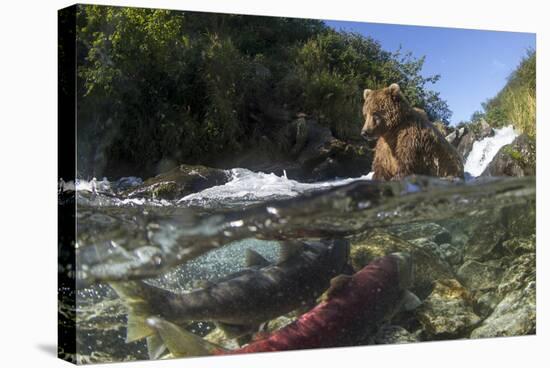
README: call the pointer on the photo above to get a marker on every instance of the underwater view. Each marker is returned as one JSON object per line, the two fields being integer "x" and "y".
{"x": 290, "y": 186}
{"x": 247, "y": 258}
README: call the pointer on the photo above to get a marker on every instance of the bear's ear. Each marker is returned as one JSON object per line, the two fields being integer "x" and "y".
{"x": 366, "y": 93}
{"x": 394, "y": 89}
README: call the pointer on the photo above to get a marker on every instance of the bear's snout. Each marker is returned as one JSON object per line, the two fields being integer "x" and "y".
{"x": 368, "y": 134}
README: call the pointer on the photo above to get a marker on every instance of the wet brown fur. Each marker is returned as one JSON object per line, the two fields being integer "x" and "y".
{"x": 408, "y": 143}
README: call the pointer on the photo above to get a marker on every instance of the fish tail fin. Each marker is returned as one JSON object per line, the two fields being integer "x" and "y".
{"x": 132, "y": 292}
{"x": 155, "y": 347}
{"x": 181, "y": 342}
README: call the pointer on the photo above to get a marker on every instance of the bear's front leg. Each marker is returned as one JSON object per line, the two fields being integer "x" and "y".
{"x": 404, "y": 169}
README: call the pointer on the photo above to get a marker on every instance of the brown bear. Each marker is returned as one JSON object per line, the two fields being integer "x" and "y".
{"x": 408, "y": 143}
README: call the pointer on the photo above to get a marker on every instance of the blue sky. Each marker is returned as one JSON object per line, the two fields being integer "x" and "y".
{"x": 473, "y": 64}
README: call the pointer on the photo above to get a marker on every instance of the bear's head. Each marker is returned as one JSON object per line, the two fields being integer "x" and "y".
{"x": 383, "y": 109}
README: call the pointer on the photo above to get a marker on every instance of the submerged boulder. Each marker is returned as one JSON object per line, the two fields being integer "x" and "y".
{"x": 393, "y": 334}
{"x": 515, "y": 313}
{"x": 515, "y": 159}
{"x": 485, "y": 240}
{"x": 428, "y": 231}
{"x": 481, "y": 276}
{"x": 179, "y": 182}
{"x": 448, "y": 311}
{"x": 520, "y": 220}
{"x": 428, "y": 266}
{"x": 218, "y": 337}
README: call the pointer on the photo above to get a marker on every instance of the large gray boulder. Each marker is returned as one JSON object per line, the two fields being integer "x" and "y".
{"x": 515, "y": 159}
{"x": 321, "y": 156}
{"x": 464, "y": 137}
{"x": 515, "y": 313}
{"x": 179, "y": 182}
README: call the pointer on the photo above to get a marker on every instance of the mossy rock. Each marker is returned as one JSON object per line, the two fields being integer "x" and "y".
{"x": 515, "y": 297}
{"x": 448, "y": 312}
{"x": 179, "y": 182}
{"x": 485, "y": 240}
{"x": 428, "y": 267}
{"x": 481, "y": 276}
{"x": 520, "y": 220}
{"x": 515, "y": 159}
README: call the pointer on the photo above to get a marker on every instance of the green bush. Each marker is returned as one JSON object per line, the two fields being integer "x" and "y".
{"x": 168, "y": 86}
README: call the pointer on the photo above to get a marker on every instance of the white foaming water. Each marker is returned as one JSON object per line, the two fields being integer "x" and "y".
{"x": 248, "y": 185}
{"x": 484, "y": 151}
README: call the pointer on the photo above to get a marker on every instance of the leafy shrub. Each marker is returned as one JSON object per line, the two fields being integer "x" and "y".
{"x": 169, "y": 86}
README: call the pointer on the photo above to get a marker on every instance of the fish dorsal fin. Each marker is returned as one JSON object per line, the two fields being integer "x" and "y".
{"x": 337, "y": 285}
{"x": 290, "y": 249}
{"x": 181, "y": 342}
{"x": 254, "y": 258}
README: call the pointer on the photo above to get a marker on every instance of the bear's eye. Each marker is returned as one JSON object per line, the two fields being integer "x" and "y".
{"x": 377, "y": 117}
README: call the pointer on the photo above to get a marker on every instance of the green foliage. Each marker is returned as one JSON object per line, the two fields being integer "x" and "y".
{"x": 516, "y": 103}
{"x": 332, "y": 69}
{"x": 160, "y": 85}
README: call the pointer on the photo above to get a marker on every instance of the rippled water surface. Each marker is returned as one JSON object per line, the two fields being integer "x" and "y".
{"x": 480, "y": 232}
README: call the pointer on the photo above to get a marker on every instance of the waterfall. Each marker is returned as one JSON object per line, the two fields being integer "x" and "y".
{"x": 484, "y": 151}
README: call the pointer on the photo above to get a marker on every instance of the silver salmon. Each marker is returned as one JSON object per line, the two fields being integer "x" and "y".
{"x": 241, "y": 302}
{"x": 354, "y": 304}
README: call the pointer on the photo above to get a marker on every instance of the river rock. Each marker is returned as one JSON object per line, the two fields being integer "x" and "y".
{"x": 320, "y": 155}
{"x": 306, "y": 151}
{"x": 179, "y": 182}
{"x": 520, "y": 273}
{"x": 454, "y": 137}
{"x": 342, "y": 159}
{"x": 451, "y": 253}
{"x": 428, "y": 266}
{"x": 472, "y": 132}
{"x": 128, "y": 182}
{"x": 515, "y": 313}
{"x": 481, "y": 276}
{"x": 218, "y": 337}
{"x": 520, "y": 220}
{"x": 484, "y": 129}
{"x": 424, "y": 231}
{"x": 517, "y": 246}
{"x": 101, "y": 327}
{"x": 515, "y": 159}
{"x": 392, "y": 334}
{"x": 485, "y": 240}
{"x": 278, "y": 323}
{"x": 486, "y": 303}
{"x": 448, "y": 311}
{"x": 464, "y": 146}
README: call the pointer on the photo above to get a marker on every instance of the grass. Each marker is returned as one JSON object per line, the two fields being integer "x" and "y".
{"x": 516, "y": 103}
{"x": 520, "y": 106}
